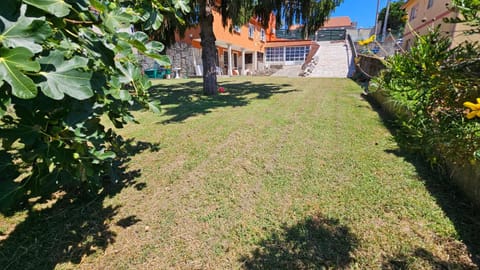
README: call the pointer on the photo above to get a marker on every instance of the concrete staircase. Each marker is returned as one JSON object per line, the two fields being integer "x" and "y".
{"x": 332, "y": 60}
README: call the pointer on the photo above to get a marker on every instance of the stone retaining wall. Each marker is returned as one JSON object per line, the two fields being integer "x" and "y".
{"x": 368, "y": 65}
{"x": 181, "y": 56}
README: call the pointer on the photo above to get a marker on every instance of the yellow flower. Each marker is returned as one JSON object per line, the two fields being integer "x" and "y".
{"x": 474, "y": 109}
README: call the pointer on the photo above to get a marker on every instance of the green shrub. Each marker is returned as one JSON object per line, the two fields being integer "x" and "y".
{"x": 430, "y": 83}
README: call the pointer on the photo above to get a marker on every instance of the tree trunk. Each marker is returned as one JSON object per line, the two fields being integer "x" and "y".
{"x": 208, "y": 47}
{"x": 305, "y": 31}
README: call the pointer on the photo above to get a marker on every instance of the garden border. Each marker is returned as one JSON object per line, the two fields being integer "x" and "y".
{"x": 465, "y": 176}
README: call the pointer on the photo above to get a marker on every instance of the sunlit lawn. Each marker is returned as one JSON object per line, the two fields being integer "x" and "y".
{"x": 277, "y": 173}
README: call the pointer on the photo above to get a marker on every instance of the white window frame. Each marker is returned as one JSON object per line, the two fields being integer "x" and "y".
{"x": 263, "y": 36}
{"x": 237, "y": 29}
{"x": 413, "y": 13}
{"x": 251, "y": 31}
{"x": 430, "y": 3}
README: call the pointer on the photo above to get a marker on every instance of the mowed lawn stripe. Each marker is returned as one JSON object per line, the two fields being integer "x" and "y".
{"x": 277, "y": 173}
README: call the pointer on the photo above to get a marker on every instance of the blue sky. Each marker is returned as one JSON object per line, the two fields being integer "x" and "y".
{"x": 360, "y": 11}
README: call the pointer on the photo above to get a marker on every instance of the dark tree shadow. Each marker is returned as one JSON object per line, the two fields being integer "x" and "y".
{"x": 184, "y": 100}
{"x": 316, "y": 243}
{"x": 464, "y": 214}
{"x": 71, "y": 226}
{"x": 406, "y": 261}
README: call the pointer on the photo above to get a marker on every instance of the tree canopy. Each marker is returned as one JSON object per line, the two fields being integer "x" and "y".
{"x": 396, "y": 17}
{"x": 312, "y": 14}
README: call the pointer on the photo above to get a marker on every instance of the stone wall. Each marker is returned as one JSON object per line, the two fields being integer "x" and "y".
{"x": 181, "y": 56}
{"x": 369, "y": 65}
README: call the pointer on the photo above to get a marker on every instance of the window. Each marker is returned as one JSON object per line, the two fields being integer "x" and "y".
{"x": 262, "y": 35}
{"x": 237, "y": 29}
{"x": 251, "y": 30}
{"x": 259, "y": 57}
{"x": 248, "y": 58}
{"x": 296, "y": 54}
{"x": 430, "y": 3}
{"x": 225, "y": 59}
{"x": 275, "y": 54}
{"x": 413, "y": 13}
{"x": 290, "y": 54}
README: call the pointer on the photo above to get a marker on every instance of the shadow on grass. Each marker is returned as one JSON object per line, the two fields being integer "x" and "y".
{"x": 315, "y": 243}
{"x": 185, "y": 99}
{"x": 73, "y": 227}
{"x": 407, "y": 261}
{"x": 463, "y": 214}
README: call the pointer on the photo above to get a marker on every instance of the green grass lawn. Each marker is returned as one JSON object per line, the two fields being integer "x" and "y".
{"x": 277, "y": 173}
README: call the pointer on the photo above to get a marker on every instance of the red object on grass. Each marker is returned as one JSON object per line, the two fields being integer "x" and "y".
{"x": 221, "y": 90}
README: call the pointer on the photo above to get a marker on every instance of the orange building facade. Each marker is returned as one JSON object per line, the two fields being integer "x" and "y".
{"x": 247, "y": 49}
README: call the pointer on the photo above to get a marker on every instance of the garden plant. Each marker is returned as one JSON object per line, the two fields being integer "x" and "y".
{"x": 65, "y": 67}
{"x": 434, "y": 87}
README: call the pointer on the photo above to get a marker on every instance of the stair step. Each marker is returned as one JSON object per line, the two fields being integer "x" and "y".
{"x": 334, "y": 60}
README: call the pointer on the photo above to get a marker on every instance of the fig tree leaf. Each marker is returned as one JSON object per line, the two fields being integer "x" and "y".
{"x": 103, "y": 155}
{"x": 154, "y": 106}
{"x": 98, "y": 5}
{"x": 21, "y": 58}
{"x": 67, "y": 78}
{"x": 117, "y": 19}
{"x": 161, "y": 59}
{"x": 140, "y": 36}
{"x": 130, "y": 73}
{"x": 12, "y": 63}
{"x": 155, "y": 47}
{"x": 158, "y": 21}
{"x": 125, "y": 95}
{"x": 26, "y": 32}
{"x": 56, "y": 7}
{"x": 181, "y": 5}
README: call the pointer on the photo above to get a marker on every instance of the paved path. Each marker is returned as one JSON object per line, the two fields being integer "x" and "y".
{"x": 334, "y": 60}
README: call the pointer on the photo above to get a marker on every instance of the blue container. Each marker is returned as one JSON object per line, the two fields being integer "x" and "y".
{"x": 151, "y": 73}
